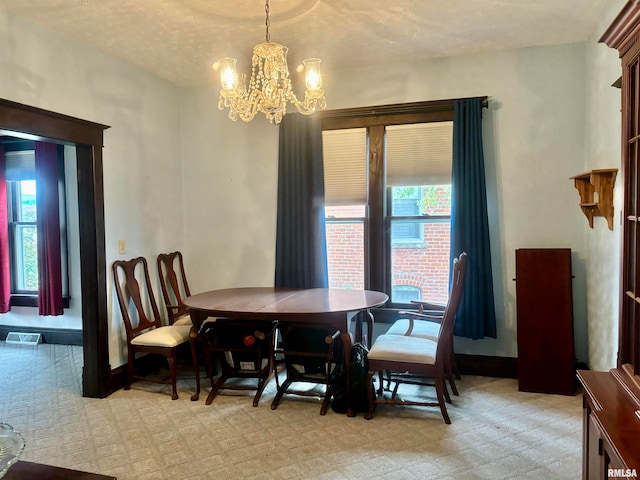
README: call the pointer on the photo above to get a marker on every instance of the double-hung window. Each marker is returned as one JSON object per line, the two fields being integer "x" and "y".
{"x": 22, "y": 212}
{"x": 388, "y": 200}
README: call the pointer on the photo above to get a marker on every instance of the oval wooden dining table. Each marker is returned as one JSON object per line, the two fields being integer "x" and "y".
{"x": 335, "y": 307}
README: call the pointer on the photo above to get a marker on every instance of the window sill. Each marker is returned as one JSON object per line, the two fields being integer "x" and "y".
{"x": 408, "y": 244}
{"x": 18, "y": 300}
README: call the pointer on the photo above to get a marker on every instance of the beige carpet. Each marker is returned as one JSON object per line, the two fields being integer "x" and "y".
{"x": 496, "y": 432}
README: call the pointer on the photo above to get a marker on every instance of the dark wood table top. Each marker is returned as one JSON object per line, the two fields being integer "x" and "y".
{"x": 22, "y": 470}
{"x": 284, "y": 303}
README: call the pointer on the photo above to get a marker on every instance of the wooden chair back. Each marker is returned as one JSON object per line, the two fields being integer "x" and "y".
{"x": 244, "y": 349}
{"x": 133, "y": 289}
{"x": 173, "y": 282}
{"x": 310, "y": 354}
{"x": 445, "y": 338}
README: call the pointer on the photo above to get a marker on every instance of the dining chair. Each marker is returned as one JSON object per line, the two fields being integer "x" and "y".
{"x": 244, "y": 349}
{"x": 309, "y": 352}
{"x": 418, "y": 356}
{"x": 425, "y": 323}
{"x": 143, "y": 326}
{"x": 174, "y": 285}
{"x": 175, "y": 288}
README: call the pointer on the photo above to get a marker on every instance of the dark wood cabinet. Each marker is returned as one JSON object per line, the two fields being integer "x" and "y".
{"x": 611, "y": 427}
{"x": 545, "y": 321}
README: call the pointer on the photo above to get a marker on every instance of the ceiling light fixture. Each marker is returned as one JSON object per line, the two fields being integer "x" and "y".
{"x": 269, "y": 86}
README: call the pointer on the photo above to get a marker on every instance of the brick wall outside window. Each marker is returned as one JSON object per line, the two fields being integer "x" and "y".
{"x": 423, "y": 264}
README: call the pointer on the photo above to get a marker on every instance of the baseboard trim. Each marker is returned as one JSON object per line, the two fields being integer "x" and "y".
{"x": 486, "y": 366}
{"x": 49, "y": 335}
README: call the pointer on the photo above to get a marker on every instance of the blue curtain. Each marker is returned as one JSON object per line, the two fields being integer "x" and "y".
{"x": 476, "y": 317}
{"x": 301, "y": 249}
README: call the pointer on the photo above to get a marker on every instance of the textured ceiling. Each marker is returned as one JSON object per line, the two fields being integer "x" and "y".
{"x": 180, "y": 39}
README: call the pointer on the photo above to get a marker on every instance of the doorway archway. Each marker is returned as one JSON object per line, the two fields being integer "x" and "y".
{"x": 38, "y": 124}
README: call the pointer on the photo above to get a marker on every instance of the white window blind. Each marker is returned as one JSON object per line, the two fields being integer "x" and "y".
{"x": 345, "y": 166}
{"x": 419, "y": 154}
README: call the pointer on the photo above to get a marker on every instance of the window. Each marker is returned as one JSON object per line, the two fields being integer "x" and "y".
{"x": 23, "y": 233}
{"x": 388, "y": 200}
{"x": 405, "y": 202}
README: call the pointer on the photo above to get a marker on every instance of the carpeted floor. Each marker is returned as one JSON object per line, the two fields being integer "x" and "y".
{"x": 496, "y": 431}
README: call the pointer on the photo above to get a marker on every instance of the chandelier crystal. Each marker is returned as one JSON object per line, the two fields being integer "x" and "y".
{"x": 269, "y": 88}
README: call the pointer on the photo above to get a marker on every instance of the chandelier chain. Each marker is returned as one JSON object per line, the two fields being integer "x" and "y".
{"x": 267, "y": 23}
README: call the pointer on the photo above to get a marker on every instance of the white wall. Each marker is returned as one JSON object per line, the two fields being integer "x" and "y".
{"x": 230, "y": 190}
{"x": 142, "y": 152}
{"x": 603, "y": 145}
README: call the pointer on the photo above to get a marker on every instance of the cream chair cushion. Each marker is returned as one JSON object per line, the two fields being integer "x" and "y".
{"x": 168, "y": 336}
{"x": 402, "y": 348}
{"x": 186, "y": 320}
{"x": 183, "y": 320}
{"x": 421, "y": 329}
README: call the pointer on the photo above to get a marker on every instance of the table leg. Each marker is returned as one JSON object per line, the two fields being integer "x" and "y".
{"x": 193, "y": 340}
{"x": 361, "y": 317}
{"x": 364, "y": 316}
{"x": 197, "y": 319}
{"x": 346, "y": 345}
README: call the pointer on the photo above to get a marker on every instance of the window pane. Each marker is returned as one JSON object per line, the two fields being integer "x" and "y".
{"x": 26, "y": 246}
{"x": 421, "y": 200}
{"x": 26, "y": 193}
{"x": 345, "y": 246}
{"x": 423, "y": 265}
{"x": 405, "y": 202}
{"x": 405, "y": 293}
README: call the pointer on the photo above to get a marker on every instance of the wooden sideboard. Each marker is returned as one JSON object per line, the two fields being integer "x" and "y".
{"x": 611, "y": 426}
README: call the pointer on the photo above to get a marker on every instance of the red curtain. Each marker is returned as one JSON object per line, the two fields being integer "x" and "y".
{"x": 5, "y": 278}
{"x": 48, "y": 222}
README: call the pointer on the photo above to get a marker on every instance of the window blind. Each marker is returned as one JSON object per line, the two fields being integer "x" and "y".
{"x": 345, "y": 166}
{"x": 20, "y": 165}
{"x": 419, "y": 154}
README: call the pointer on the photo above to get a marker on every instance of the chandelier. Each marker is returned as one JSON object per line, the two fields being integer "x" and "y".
{"x": 269, "y": 86}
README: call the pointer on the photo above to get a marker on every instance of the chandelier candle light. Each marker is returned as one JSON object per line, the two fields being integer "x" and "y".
{"x": 269, "y": 86}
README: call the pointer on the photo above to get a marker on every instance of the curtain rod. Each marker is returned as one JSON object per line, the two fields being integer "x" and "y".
{"x": 399, "y": 108}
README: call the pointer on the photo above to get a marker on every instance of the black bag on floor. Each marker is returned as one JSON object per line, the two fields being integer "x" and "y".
{"x": 357, "y": 393}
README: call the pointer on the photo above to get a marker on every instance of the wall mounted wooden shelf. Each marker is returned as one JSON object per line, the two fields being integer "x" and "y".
{"x": 596, "y": 193}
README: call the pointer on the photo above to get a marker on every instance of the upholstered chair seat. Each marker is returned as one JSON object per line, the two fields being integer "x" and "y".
{"x": 168, "y": 336}
{"x": 401, "y": 348}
